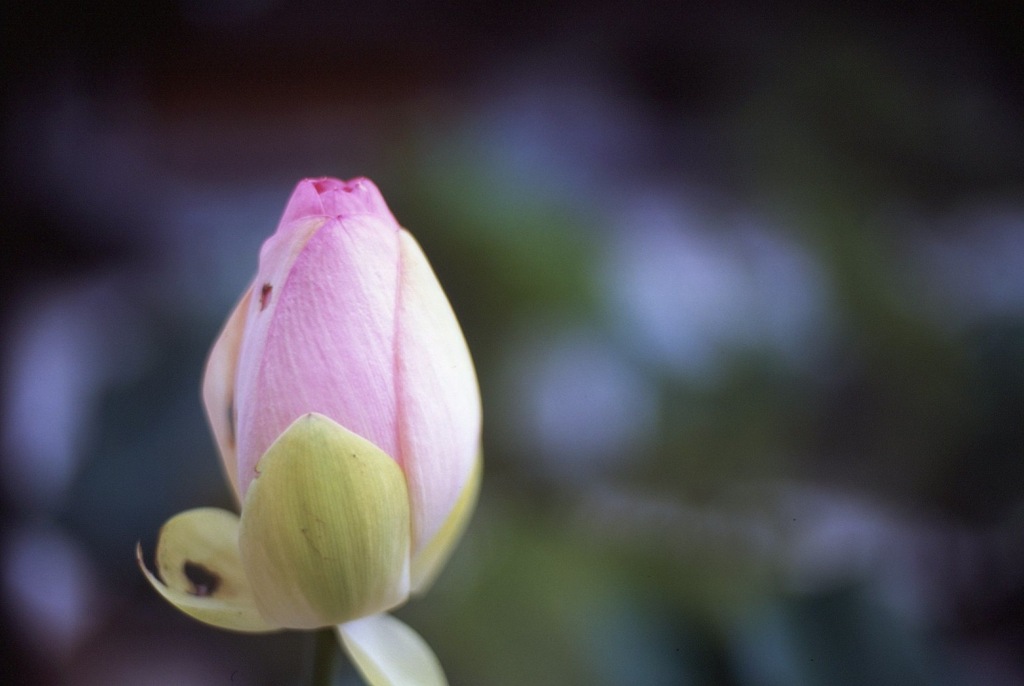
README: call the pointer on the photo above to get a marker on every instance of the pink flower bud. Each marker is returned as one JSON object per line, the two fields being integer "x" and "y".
{"x": 346, "y": 319}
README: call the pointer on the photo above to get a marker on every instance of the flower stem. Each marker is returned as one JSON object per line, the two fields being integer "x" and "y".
{"x": 325, "y": 652}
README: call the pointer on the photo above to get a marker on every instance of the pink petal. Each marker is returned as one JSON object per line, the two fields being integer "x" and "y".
{"x": 319, "y": 335}
{"x": 333, "y": 198}
{"x": 304, "y": 203}
{"x": 438, "y": 398}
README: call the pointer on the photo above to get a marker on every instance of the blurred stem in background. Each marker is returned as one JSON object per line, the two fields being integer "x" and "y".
{"x": 325, "y": 657}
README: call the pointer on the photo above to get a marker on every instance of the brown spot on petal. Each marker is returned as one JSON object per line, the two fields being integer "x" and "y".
{"x": 231, "y": 421}
{"x": 265, "y": 296}
{"x": 204, "y": 582}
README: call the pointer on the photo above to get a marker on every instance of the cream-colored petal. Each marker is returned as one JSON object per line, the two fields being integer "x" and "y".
{"x": 197, "y": 557}
{"x": 427, "y": 564}
{"x": 219, "y": 388}
{"x": 325, "y": 527}
{"x": 389, "y": 653}
{"x": 439, "y": 415}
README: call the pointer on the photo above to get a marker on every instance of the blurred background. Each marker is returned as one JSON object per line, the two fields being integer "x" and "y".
{"x": 745, "y": 289}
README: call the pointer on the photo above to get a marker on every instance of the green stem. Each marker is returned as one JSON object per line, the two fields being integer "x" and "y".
{"x": 325, "y": 652}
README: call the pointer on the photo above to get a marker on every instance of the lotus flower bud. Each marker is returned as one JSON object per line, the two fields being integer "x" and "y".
{"x": 344, "y": 403}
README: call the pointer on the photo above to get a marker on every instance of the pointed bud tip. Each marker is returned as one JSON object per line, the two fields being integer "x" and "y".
{"x": 339, "y": 199}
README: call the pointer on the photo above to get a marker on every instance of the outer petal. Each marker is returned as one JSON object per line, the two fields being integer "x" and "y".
{"x": 438, "y": 397}
{"x": 202, "y": 573}
{"x": 320, "y": 336}
{"x": 427, "y": 564}
{"x": 389, "y": 653}
{"x": 219, "y": 388}
{"x": 325, "y": 528}
{"x": 304, "y": 202}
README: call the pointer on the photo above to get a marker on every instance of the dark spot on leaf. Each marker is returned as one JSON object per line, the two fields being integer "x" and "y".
{"x": 204, "y": 582}
{"x": 265, "y": 296}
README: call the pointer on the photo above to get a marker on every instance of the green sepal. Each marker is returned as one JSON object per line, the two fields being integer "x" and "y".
{"x": 324, "y": 533}
{"x": 201, "y": 572}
